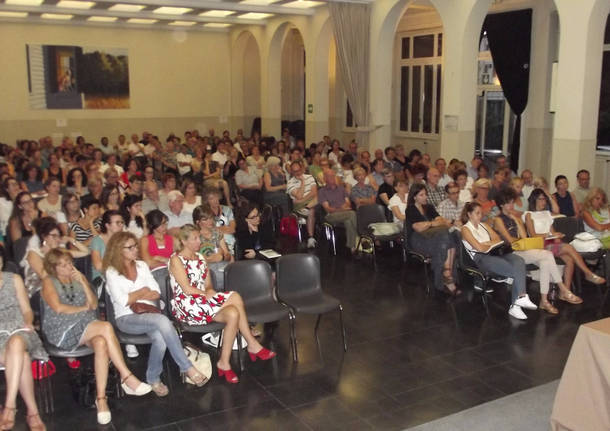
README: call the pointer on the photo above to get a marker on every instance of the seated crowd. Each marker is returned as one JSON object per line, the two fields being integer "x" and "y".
{"x": 144, "y": 205}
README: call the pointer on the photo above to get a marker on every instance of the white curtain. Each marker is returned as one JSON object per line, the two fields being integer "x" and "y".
{"x": 351, "y": 26}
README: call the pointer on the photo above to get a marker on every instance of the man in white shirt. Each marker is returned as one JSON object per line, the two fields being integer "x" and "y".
{"x": 441, "y": 165}
{"x": 220, "y": 156}
{"x": 176, "y": 216}
{"x": 528, "y": 183}
{"x": 184, "y": 160}
{"x": 303, "y": 191}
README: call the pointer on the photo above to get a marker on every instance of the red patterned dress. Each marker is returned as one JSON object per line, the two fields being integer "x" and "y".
{"x": 195, "y": 309}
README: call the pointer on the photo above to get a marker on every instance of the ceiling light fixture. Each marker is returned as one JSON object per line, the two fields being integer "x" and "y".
{"x": 217, "y": 13}
{"x": 255, "y": 15}
{"x": 183, "y": 23}
{"x": 122, "y": 7}
{"x": 102, "y": 18}
{"x": 71, "y": 4}
{"x": 172, "y": 10}
{"x": 4, "y": 14}
{"x": 59, "y": 16}
{"x": 142, "y": 21}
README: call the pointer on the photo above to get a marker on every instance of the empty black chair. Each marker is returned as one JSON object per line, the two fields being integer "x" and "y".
{"x": 299, "y": 286}
{"x": 252, "y": 280}
{"x": 374, "y": 213}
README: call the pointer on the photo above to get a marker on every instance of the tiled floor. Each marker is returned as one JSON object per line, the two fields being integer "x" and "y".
{"x": 412, "y": 358}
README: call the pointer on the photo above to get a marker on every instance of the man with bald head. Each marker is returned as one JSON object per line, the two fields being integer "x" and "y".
{"x": 152, "y": 200}
{"x": 335, "y": 200}
{"x": 436, "y": 194}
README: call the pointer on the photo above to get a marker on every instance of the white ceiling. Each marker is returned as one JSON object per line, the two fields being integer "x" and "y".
{"x": 187, "y": 14}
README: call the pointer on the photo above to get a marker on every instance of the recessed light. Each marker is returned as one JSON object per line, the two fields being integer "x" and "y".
{"x": 302, "y": 4}
{"x": 25, "y": 2}
{"x": 172, "y": 10}
{"x": 258, "y": 2}
{"x": 142, "y": 21}
{"x": 71, "y": 4}
{"x": 4, "y": 14}
{"x": 255, "y": 15}
{"x": 60, "y": 16}
{"x": 102, "y": 18}
{"x": 122, "y": 7}
{"x": 217, "y": 24}
{"x": 217, "y": 13}
{"x": 183, "y": 23}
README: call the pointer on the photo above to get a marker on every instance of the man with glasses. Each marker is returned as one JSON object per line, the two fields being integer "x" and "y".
{"x": 451, "y": 208}
{"x": 303, "y": 191}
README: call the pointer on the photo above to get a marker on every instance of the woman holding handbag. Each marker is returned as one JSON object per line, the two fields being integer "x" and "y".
{"x": 134, "y": 293}
{"x": 539, "y": 223}
{"x": 511, "y": 229}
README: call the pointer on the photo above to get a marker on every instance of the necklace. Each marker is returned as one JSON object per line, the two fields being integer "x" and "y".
{"x": 68, "y": 292}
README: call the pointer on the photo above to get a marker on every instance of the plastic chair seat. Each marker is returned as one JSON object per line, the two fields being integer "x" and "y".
{"x": 135, "y": 339}
{"x": 56, "y": 352}
{"x": 201, "y": 329}
{"x": 266, "y": 312}
{"x": 312, "y": 304}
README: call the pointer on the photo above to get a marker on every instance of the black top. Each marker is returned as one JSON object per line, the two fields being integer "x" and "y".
{"x": 566, "y": 206}
{"x": 387, "y": 189}
{"x": 256, "y": 240}
{"x": 510, "y": 225}
{"x": 413, "y": 215}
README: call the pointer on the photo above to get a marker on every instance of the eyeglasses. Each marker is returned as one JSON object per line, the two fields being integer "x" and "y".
{"x": 54, "y": 235}
{"x": 130, "y": 247}
{"x": 253, "y": 217}
{"x": 26, "y": 201}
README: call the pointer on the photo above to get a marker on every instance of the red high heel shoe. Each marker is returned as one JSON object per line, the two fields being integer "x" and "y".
{"x": 263, "y": 354}
{"x": 229, "y": 375}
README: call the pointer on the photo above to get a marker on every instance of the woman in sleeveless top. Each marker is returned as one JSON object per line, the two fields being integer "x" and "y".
{"x": 70, "y": 321}
{"x": 19, "y": 344}
{"x": 195, "y": 302}
{"x": 539, "y": 222}
{"x": 275, "y": 185}
{"x": 158, "y": 246}
{"x": 478, "y": 239}
{"x": 511, "y": 228}
{"x": 568, "y": 205}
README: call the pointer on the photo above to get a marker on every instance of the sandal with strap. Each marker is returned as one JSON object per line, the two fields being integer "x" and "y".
{"x": 229, "y": 375}
{"x": 594, "y": 278}
{"x": 35, "y": 425}
{"x": 570, "y": 298}
{"x": 196, "y": 379}
{"x": 548, "y": 307}
{"x": 8, "y": 422}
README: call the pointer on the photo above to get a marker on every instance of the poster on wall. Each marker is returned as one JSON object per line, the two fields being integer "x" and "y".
{"x": 75, "y": 77}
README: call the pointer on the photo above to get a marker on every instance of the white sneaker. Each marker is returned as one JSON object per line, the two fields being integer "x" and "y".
{"x": 525, "y": 302}
{"x": 132, "y": 351}
{"x": 517, "y": 312}
{"x": 311, "y": 242}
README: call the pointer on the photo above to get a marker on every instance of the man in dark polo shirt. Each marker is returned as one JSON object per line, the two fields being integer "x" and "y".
{"x": 335, "y": 200}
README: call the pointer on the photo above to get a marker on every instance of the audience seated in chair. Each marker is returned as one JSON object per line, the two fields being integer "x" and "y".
{"x": 336, "y": 203}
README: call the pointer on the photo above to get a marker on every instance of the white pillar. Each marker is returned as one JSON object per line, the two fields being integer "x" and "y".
{"x": 462, "y": 23}
{"x": 581, "y": 37}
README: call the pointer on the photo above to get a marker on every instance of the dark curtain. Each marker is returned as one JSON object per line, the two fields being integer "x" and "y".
{"x": 509, "y": 36}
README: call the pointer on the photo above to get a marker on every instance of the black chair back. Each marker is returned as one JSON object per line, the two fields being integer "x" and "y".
{"x": 19, "y": 248}
{"x": 251, "y": 279}
{"x": 367, "y": 214}
{"x": 298, "y": 274}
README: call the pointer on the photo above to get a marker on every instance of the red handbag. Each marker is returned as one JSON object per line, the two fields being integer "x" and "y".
{"x": 289, "y": 226}
{"x": 42, "y": 370}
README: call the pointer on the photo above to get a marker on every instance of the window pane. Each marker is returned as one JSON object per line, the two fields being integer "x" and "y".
{"x": 406, "y": 48}
{"x": 415, "y": 97}
{"x": 423, "y": 46}
{"x": 603, "y": 125}
{"x": 404, "y": 97}
{"x": 439, "y": 50}
{"x": 494, "y": 121}
{"x": 438, "y": 97}
{"x": 428, "y": 72}
{"x": 607, "y": 34}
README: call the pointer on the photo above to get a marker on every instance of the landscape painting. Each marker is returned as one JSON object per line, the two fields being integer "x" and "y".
{"x": 74, "y": 77}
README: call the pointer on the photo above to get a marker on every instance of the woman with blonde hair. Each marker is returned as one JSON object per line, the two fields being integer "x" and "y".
{"x": 134, "y": 294}
{"x": 70, "y": 321}
{"x": 195, "y": 302}
{"x": 595, "y": 212}
{"x": 520, "y": 204}
{"x": 480, "y": 193}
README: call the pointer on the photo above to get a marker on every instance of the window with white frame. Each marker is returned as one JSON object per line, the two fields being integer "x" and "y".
{"x": 603, "y": 122}
{"x": 419, "y": 79}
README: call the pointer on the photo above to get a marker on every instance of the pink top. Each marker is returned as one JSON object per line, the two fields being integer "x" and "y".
{"x": 165, "y": 251}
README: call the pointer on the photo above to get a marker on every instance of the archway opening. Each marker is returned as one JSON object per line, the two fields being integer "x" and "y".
{"x": 293, "y": 83}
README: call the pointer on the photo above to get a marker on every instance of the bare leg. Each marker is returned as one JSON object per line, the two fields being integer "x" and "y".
{"x": 26, "y": 386}
{"x": 13, "y": 360}
{"x": 228, "y": 315}
{"x": 311, "y": 222}
{"x": 113, "y": 349}
{"x": 225, "y": 190}
{"x": 568, "y": 250}
{"x": 100, "y": 348}
{"x": 568, "y": 271}
{"x": 236, "y": 301}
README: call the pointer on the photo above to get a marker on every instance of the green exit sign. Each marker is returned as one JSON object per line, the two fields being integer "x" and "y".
{"x": 310, "y": 108}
